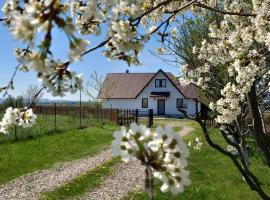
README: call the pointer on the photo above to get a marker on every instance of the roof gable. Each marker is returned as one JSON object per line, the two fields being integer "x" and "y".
{"x": 130, "y": 85}
{"x": 169, "y": 77}
{"x": 124, "y": 85}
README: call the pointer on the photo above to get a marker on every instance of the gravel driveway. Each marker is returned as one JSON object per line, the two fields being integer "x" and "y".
{"x": 30, "y": 186}
{"x": 185, "y": 124}
{"x": 127, "y": 178}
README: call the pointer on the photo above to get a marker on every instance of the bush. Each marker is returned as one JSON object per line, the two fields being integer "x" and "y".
{"x": 13, "y": 102}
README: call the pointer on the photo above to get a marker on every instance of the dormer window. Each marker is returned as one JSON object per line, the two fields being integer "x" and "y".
{"x": 160, "y": 83}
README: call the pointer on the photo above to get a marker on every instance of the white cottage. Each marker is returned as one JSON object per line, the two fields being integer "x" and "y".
{"x": 159, "y": 91}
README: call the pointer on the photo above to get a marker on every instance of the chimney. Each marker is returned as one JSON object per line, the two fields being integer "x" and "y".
{"x": 127, "y": 71}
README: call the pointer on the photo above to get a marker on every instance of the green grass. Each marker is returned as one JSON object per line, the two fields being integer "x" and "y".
{"x": 213, "y": 176}
{"x": 177, "y": 124}
{"x": 83, "y": 183}
{"x": 46, "y": 125}
{"x": 177, "y": 128}
{"x": 26, "y": 156}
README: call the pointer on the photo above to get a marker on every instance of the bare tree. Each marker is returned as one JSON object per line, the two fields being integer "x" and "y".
{"x": 96, "y": 86}
{"x": 93, "y": 87}
{"x": 31, "y": 96}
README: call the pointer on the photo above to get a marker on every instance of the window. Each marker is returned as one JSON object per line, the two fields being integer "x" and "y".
{"x": 181, "y": 103}
{"x": 160, "y": 83}
{"x": 144, "y": 102}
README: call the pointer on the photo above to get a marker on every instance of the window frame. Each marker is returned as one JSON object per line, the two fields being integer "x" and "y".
{"x": 184, "y": 103}
{"x": 143, "y": 102}
{"x": 160, "y": 83}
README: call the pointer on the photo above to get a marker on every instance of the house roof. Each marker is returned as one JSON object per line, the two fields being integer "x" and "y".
{"x": 191, "y": 92}
{"x": 130, "y": 85}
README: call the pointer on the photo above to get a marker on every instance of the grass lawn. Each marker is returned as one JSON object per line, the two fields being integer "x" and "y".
{"x": 26, "y": 156}
{"x": 83, "y": 183}
{"x": 46, "y": 125}
{"x": 177, "y": 124}
{"x": 213, "y": 176}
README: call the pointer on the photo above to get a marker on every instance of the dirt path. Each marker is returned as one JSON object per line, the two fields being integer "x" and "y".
{"x": 184, "y": 124}
{"x": 30, "y": 186}
{"x": 186, "y": 130}
{"x": 127, "y": 178}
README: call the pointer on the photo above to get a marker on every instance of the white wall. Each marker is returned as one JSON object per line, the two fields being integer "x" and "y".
{"x": 170, "y": 102}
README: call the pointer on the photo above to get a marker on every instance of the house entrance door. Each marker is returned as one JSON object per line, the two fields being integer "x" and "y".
{"x": 161, "y": 106}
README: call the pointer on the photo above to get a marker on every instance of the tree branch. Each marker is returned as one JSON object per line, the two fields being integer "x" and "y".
{"x": 242, "y": 170}
{"x": 199, "y": 4}
{"x": 10, "y": 83}
{"x": 32, "y": 103}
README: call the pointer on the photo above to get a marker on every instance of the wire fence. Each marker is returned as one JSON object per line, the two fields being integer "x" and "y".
{"x": 57, "y": 118}
{"x": 82, "y": 116}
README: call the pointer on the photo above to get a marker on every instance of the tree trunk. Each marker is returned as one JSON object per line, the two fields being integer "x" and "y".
{"x": 262, "y": 139}
{"x": 149, "y": 182}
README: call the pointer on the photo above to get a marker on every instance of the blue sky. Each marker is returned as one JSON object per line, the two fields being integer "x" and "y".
{"x": 91, "y": 62}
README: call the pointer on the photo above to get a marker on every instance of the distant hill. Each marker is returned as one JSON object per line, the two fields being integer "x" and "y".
{"x": 62, "y": 102}
{"x": 52, "y": 102}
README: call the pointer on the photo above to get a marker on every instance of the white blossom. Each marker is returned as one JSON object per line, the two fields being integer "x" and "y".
{"x": 161, "y": 51}
{"x": 234, "y": 44}
{"x": 195, "y": 144}
{"x": 165, "y": 148}
{"x": 15, "y": 116}
{"x": 77, "y": 48}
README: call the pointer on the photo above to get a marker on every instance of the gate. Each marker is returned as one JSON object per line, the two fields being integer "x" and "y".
{"x": 127, "y": 116}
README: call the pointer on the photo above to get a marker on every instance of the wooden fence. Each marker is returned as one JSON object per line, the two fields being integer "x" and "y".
{"x": 123, "y": 117}
{"x": 210, "y": 123}
{"x": 77, "y": 111}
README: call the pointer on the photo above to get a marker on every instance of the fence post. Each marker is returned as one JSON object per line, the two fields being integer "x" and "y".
{"x": 150, "y": 118}
{"x": 97, "y": 115}
{"x": 128, "y": 118}
{"x": 101, "y": 115}
{"x": 55, "y": 112}
{"x": 117, "y": 116}
{"x": 125, "y": 117}
{"x": 136, "y": 115}
{"x": 111, "y": 113}
{"x": 15, "y": 128}
{"x": 80, "y": 108}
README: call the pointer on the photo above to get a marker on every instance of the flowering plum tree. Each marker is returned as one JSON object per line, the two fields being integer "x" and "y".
{"x": 162, "y": 152}
{"x": 239, "y": 44}
{"x": 193, "y": 32}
